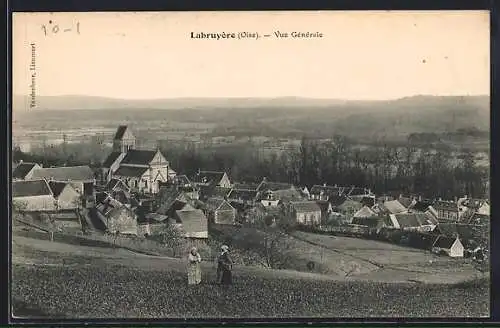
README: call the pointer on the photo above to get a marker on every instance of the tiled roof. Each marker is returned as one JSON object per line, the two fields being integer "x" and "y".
{"x": 66, "y": 173}
{"x": 241, "y": 194}
{"x": 111, "y": 159}
{"x": 131, "y": 171}
{"x": 218, "y": 203}
{"x": 214, "y": 191}
{"x": 447, "y": 206}
{"x": 405, "y": 201}
{"x": 365, "y": 212}
{"x": 394, "y": 206}
{"x": 444, "y": 242}
{"x": 22, "y": 170}
{"x": 30, "y": 188}
{"x": 407, "y": 220}
{"x": 306, "y": 206}
{"x": 138, "y": 157}
{"x": 120, "y": 132}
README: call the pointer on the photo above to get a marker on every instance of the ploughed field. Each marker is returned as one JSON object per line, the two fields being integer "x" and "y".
{"x": 55, "y": 281}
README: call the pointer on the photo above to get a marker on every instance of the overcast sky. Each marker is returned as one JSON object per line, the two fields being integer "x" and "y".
{"x": 363, "y": 55}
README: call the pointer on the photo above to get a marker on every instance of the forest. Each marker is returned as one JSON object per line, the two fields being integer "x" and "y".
{"x": 386, "y": 170}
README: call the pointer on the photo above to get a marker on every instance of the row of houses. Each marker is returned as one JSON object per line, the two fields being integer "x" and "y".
{"x": 137, "y": 192}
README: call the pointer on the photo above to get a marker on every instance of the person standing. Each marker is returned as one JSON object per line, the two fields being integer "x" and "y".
{"x": 194, "y": 267}
{"x": 225, "y": 266}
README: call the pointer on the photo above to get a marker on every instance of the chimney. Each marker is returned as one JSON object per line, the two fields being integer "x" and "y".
{"x": 324, "y": 184}
{"x": 440, "y": 199}
{"x": 419, "y": 198}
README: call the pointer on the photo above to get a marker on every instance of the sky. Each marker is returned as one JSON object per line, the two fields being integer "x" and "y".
{"x": 362, "y": 55}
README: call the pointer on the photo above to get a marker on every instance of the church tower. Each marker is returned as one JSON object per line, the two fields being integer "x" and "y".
{"x": 123, "y": 140}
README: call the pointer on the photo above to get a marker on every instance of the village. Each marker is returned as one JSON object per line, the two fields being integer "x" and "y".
{"x": 136, "y": 193}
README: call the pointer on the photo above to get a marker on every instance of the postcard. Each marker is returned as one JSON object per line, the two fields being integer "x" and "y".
{"x": 250, "y": 165}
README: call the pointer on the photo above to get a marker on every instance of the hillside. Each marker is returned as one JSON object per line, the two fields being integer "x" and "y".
{"x": 280, "y": 117}
{"x": 94, "y": 282}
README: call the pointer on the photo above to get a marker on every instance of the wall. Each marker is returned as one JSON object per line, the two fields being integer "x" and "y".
{"x": 122, "y": 221}
{"x": 68, "y": 199}
{"x": 225, "y": 217}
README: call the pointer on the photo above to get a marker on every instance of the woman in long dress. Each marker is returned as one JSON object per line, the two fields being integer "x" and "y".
{"x": 194, "y": 269}
{"x": 225, "y": 266}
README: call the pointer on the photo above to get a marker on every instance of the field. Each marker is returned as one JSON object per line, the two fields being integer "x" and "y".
{"x": 75, "y": 281}
{"x": 396, "y": 262}
{"x": 109, "y": 283}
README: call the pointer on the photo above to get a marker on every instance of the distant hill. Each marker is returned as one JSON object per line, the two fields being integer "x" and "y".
{"x": 279, "y": 117}
{"x": 89, "y": 102}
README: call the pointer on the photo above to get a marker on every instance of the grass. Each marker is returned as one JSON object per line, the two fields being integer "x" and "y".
{"x": 109, "y": 291}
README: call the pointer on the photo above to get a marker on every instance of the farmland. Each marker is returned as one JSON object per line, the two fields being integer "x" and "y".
{"x": 98, "y": 282}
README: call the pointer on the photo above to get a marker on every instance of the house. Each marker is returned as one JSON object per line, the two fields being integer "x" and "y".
{"x": 24, "y": 171}
{"x": 186, "y": 186}
{"x": 349, "y": 207}
{"x": 305, "y": 212}
{"x": 194, "y": 223}
{"x": 81, "y": 178}
{"x": 451, "y": 246}
{"x": 447, "y": 210}
{"x": 67, "y": 198}
{"x": 121, "y": 220}
{"x": 220, "y": 211}
{"x": 365, "y": 212}
{"x": 477, "y": 205}
{"x": 213, "y": 191}
{"x": 116, "y": 217}
{"x": 212, "y": 178}
{"x": 33, "y": 196}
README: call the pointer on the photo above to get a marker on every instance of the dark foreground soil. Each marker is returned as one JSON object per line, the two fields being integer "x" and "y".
{"x": 119, "y": 291}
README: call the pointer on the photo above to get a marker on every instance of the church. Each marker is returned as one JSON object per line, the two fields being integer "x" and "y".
{"x": 143, "y": 170}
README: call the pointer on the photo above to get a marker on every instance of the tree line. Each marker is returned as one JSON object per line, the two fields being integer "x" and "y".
{"x": 384, "y": 169}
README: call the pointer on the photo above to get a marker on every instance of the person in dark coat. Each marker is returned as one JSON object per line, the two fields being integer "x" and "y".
{"x": 224, "y": 267}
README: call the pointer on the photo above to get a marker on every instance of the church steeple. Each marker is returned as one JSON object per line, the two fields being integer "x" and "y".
{"x": 123, "y": 140}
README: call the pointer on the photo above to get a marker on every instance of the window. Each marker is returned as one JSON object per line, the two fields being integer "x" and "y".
{"x": 145, "y": 184}
{"x": 136, "y": 183}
